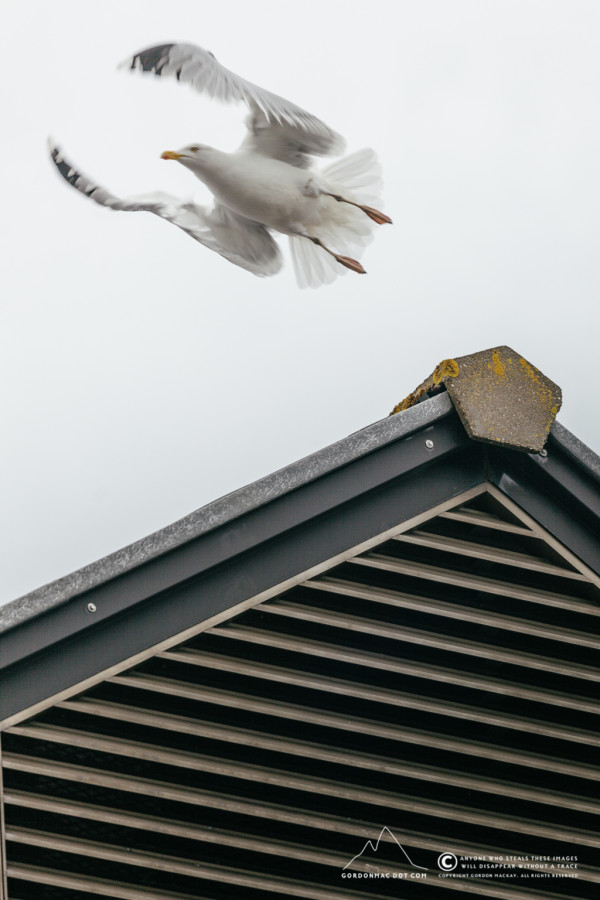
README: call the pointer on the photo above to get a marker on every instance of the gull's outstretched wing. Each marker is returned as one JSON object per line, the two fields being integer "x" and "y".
{"x": 278, "y": 128}
{"x": 281, "y": 141}
{"x": 243, "y": 242}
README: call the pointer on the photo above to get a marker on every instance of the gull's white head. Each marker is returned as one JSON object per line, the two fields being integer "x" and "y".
{"x": 194, "y": 156}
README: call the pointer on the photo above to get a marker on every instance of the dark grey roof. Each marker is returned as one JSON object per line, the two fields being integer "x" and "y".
{"x": 254, "y": 495}
{"x": 255, "y": 540}
{"x": 224, "y": 509}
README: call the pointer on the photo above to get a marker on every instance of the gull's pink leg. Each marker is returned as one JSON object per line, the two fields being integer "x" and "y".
{"x": 374, "y": 214}
{"x": 346, "y": 261}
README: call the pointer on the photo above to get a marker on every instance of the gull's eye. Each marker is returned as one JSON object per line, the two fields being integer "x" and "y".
{"x": 194, "y": 149}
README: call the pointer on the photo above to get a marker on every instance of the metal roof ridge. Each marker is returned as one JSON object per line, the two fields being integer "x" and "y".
{"x": 583, "y": 455}
{"x": 224, "y": 509}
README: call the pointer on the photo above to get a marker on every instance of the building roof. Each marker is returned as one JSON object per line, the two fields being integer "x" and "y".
{"x": 256, "y": 494}
{"x": 223, "y": 510}
{"x": 396, "y": 468}
{"x": 397, "y": 636}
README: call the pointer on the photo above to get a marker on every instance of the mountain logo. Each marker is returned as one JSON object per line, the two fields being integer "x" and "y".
{"x": 374, "y": 848}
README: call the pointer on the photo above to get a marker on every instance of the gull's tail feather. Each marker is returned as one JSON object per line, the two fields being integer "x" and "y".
{"x": 342, "y": 228}
{"x": 360, "y": 174}
{"x": 313, "y": 266}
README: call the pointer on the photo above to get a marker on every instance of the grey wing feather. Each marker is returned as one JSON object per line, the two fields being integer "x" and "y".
{"x": 302, "y": 132}
{"x": 283, "y": 142}
{"x": 243, "y": 242}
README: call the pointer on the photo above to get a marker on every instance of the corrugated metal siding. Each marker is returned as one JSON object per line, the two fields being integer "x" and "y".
{"x": 443, "y": 685}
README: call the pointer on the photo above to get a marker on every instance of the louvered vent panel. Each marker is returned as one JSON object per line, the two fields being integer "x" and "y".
{"x": 443, "y": 684}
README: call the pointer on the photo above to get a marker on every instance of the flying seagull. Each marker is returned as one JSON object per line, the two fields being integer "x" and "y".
{"x": 268, "y": 185}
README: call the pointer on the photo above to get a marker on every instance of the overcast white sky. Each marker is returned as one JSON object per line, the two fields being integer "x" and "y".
{"x": 143, "y": 376}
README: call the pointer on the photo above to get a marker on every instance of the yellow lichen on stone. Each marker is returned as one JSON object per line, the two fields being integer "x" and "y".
{"x": 497, "y": 365}
{"x": 448, "y": 368}
{"x": 544, "y": 390}
{"x": 530, "y": 371}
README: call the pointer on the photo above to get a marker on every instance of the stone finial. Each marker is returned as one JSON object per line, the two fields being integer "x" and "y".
{"x": 501, "y": 398}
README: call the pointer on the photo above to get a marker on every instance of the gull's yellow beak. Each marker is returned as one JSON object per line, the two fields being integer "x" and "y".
{"x": 170, "y": 154}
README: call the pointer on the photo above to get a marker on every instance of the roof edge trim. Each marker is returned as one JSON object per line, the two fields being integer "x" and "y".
{"x": 579, "y": 452}
{"x": 223, "y": 510}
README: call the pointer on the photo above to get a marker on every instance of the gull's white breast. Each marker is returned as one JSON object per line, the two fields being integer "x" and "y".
{"x": 280, "y": 196}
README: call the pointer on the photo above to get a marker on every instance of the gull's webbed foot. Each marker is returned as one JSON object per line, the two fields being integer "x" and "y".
{"x": 346, "y": 261}
{"x": 377, "y": 216}
{"x": 374, "y": 214}
{"x": 350, "y": 263}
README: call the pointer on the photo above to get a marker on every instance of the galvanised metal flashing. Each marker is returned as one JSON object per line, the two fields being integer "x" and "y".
{"x": 257, "y": 539}
{"x": 581, "y": 455}
{"x": 223, "y": 510}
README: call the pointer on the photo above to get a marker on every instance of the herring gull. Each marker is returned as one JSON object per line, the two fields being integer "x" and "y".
{"x": 268, "y": 185}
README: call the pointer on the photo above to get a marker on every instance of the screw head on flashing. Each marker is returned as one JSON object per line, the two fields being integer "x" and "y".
{"x": 429, "y": 444}
{"x": 543, "y": 452}
{"x": 91, "y": 607}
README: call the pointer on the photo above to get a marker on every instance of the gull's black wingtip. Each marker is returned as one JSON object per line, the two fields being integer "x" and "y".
{"x": 65, "y": 169}
{"x": 152, "y": 59}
